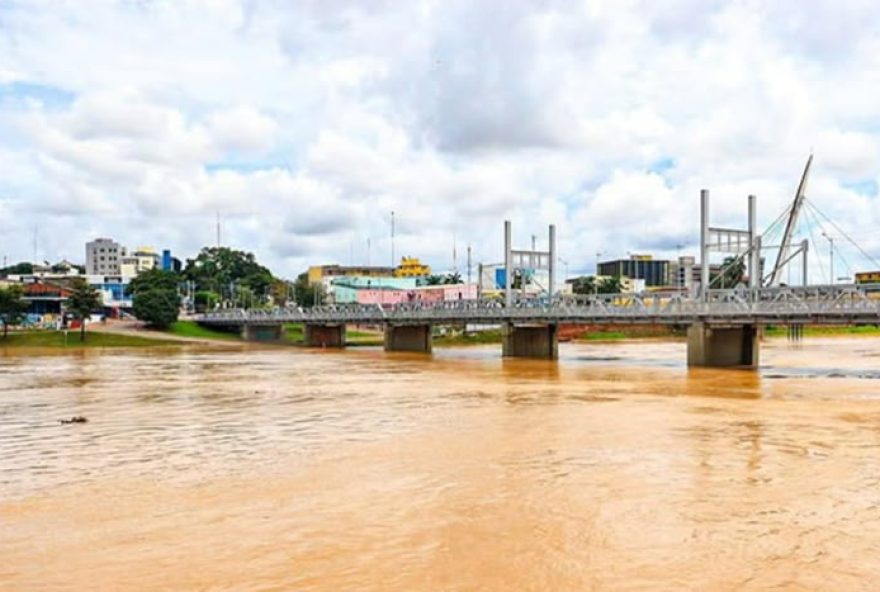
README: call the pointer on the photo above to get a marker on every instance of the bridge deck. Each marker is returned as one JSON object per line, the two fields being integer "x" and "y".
{"x": 811, "y": 305}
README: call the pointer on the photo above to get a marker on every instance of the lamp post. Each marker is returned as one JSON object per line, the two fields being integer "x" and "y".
{"x": 596, "y": 277}
{"x": 830, "y": 257}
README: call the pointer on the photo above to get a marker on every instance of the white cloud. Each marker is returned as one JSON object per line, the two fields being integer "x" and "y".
{"x": 306, "y": 124}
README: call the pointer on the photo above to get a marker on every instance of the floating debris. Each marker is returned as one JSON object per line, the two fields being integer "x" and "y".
{"x": 74, "y": 419}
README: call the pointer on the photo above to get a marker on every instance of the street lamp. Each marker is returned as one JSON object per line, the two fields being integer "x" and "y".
{"x": 565, "y": 264}
{"x": 830, "y": 257}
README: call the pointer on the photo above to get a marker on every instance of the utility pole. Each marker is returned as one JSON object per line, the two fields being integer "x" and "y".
{"x": 469, "y": 265}
{"x": 393, "y": 259}
{"x": 218, "y": 228}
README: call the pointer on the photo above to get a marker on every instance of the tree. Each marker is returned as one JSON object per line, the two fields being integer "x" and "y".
{"x": 434, "y": 280}
{"x": 610, "y": 285}
{"x": 219, "y": 268}
{"x": 204, "y": 300}
{"x": 22, "y": 268}
{"x": 154, "y": 279}
{"x": 280, "y": 291}
{"x": 82, "y": 301}
{"x": 244, "y": 297}
{"x": 307, "y": 295}
{"x": 452, "y": 278}
{"x": 158, "y": 307}
{"x": 12, "y": 307}
{"x": 584, "y": 285}
{"x": 733, "y": 270}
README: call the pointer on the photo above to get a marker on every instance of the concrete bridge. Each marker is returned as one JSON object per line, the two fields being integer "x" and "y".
{"x": 723, "y": 325}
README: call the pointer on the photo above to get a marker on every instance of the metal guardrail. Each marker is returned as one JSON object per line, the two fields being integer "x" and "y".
{"x": 848, "y": 304}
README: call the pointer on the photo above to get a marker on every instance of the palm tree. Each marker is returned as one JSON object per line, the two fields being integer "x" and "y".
{"x": 82, "y": 302}
{"x": 452, "y": 278}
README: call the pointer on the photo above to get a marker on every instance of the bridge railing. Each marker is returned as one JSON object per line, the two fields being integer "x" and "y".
{"x": 767, "y": 303}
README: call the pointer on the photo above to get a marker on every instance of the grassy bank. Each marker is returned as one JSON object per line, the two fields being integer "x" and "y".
{"x": 193, "y": 329}
{"x": 93, "y": 339}
{"x": 819, "y": 330}
{"x": 475, "y": 338}
{"x": 293, "y": 333}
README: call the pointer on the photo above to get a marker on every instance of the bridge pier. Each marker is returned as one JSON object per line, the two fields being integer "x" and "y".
{"x": 530, "y": 341}
{"x": 262, "y": 332}
{"x": 723, "y": 347}
{"x": 408, "y": 338}
{"x": 324, "y": 335}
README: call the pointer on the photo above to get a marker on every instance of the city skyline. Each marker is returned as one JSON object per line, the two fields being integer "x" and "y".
{"x": 304, "y": 126}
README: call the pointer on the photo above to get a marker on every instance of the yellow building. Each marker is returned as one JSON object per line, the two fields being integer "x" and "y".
{"x": 411, "y": 267}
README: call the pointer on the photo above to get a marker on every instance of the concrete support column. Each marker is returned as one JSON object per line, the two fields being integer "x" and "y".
{"x": 408, "y": 338}
{"x": 262, "y": 332}
{"x": 754, "y": 259}
{"x": 508, "y": 265}
{"x": 324, "y": 335}
{"x": 704, "y": 244}
{"x": 723, "y": 347}
{"x": 551, "y": 285}
{"x": 530, "y": 341}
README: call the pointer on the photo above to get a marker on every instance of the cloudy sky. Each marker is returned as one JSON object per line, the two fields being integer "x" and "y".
{"x": 306, "y": 123}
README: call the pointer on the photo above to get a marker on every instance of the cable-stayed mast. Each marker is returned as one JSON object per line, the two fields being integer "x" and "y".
{"x": 782, "y": 257}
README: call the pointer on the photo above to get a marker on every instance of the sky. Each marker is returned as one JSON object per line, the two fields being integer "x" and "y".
{"x": 304, "y": 124}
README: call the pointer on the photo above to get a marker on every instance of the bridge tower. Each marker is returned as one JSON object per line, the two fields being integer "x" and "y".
{"x": 532, "y": 340}
{"x": 723, "y": 345}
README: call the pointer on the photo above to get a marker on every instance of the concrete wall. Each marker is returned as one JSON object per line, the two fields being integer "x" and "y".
{"x": 722, "y": 347}
{"x": 411, "y": 338}
{"x": 530, "y": 341}
{"x": 324, "y": 335}
{"x": 262, "y": 333}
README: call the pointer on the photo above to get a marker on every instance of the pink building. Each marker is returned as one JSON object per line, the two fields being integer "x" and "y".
{"x": 441, "y": 293}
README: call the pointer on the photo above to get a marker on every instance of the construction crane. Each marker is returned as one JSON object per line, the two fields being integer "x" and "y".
{"x": 783, "y": 257}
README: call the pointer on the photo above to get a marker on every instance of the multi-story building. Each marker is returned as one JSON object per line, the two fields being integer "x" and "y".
{"x": 637, "y": 267}
{"x": 142, "y": 259}
{"x": 104, "y": 257}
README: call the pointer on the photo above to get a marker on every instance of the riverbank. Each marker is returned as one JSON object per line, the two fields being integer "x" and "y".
{"x": 71, "y": 340}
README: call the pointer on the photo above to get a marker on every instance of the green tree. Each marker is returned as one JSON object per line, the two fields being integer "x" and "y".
{"x": 307, "y": 295}
{"x": 452, "y": 278}
{"x": 584, "y": 285}
{"x": 205, "y": 300}
{"x": 218, "y": 269}
{"x": 158, "y": 308}
{"x": 610, "y": 285}
{"x": 245, "y": 297}
{"x": 154, "y": 279}
{"x": 733, "y": 270}
{"x": 12, "y": 307}
{"x": 22, "y": 268}
{"x": 83, "y": 300}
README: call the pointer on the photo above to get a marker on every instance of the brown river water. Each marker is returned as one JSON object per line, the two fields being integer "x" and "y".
{"x": 616, "y": 468}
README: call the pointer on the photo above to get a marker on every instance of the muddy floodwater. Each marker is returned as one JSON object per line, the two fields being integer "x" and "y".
{"x": 616, "y": 468}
